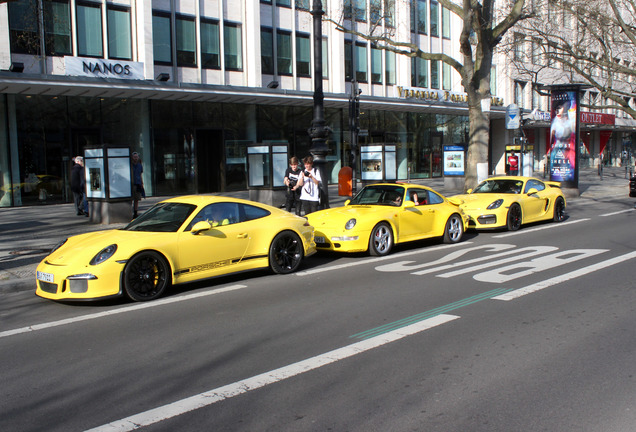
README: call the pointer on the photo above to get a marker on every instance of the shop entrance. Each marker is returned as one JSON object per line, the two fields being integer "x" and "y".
{"x": 210, "y": 161}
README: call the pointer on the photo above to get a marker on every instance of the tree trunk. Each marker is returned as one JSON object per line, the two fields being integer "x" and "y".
{"x": 479, "y": 134}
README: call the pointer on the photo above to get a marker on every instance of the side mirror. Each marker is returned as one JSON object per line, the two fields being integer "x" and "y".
{"x": 532, "y": 191}
{"x": 200, "y": 227}
{"x": 409, "y": 204}
{"x": 469, "y": 191}
{"x": 347, "y": 202}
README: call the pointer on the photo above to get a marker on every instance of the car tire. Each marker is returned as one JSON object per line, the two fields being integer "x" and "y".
{"x": 285, "y": 253}
{"x": 381, "y": 240}
{"x": 146, "y": 276}
{"x": 454, "y": 230}
{"x": 559, "y": 210}
{"x": 514, "y": 219}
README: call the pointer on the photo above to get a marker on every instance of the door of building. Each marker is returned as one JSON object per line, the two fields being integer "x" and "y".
{"x": 210, "y": 161}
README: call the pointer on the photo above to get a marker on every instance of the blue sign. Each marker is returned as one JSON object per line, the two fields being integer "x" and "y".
{"x": 454, "y": 160}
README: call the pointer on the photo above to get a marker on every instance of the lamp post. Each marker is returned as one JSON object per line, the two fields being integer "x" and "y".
{"x": 319, "y": 131}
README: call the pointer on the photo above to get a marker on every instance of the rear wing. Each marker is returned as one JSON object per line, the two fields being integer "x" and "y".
{"x": 554, "y": 184}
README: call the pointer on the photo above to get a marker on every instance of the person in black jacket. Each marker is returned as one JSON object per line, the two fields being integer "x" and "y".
{"x": 292, "y": 174}
{"x": 78, "y": 186}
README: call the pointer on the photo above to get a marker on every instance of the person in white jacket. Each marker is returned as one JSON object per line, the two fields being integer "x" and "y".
{"x": 309, "y": 182}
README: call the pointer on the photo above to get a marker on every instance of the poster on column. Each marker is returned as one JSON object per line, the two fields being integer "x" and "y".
{"x": 563, "y": 136}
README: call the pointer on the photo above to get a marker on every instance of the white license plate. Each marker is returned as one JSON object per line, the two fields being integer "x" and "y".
{"x": 319, "y": 239}
{"x": 46, "y": 277}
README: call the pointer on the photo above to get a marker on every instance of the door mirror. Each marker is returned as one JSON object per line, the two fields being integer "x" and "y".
{"x": 200, "y": 227}
{"x": 532, "y": 191}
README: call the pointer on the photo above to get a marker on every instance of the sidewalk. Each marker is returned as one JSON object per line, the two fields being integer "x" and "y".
{"x": 28, "y": 233}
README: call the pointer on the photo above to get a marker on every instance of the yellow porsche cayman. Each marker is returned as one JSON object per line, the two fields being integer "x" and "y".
{"x": 382, "y": 215}
{"x": 508, "y": 202}
{"x": 176, "y": 241}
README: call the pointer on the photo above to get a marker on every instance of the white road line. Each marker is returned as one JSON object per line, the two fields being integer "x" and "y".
{"x": 541, "y": 228}
{"x": 372, "y": 260}
{"x": 511, "y": 295}
{"x": 258, "y": 381}
{"x": 617, "y": 212}
{"x": 131, "y": 308}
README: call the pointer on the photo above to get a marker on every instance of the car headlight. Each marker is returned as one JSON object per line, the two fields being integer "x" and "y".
{"x": 59, "y": 245}
{"x": 104, "y": 254}
{"x": 350, "y": 224}
{"x": 495, "y": 204}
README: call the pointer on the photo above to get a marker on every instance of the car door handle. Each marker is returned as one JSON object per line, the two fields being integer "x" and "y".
{"x": 242, "y": 235}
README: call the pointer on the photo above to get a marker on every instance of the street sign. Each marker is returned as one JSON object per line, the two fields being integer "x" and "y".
{"x": 513, "y": 117}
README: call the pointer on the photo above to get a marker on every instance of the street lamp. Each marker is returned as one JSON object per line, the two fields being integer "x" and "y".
{"x": 319, "y": 131}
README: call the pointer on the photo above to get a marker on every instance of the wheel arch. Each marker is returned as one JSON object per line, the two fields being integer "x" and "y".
{"x": 165, "y": 256}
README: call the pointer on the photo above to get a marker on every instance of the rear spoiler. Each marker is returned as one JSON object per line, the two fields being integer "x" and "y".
{"x": 553, "y": 184}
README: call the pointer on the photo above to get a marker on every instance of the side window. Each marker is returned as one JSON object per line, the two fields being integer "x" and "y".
{"x": 218, "y": 214}
{"x": 539, "y": 186}
{"x": 418, "y": 196}
{"x": 433, "y": 198}
{"x": 252, "y": 212}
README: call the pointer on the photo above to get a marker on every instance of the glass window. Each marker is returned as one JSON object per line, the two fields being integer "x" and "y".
{"x": 23, "y": 27}
{"x": 119, "y": 38}
{"x": 389, "y": 13}
{"x": 267, "y": 51}
{"x": 57, "y": 28}
{"x": 420, "y": 14}
{"x": 186, "y": 42}
{"x": 348, "y": 60}
{"x": 361, "y": 62}
{"x": 89, "y": 30}
{"x": 390, "y": 67}
{"x": 284, "y": 52}
{"x": 360, "y": 10}
{"x": 161, "y": 37}
{"x": 286, "y": 3}
{"x": 435, "y": 74}
{"x": 325, "y": 58}
{"x": 376, "y": 12}
{"x": 210, "y": 45}
{"x": 233, "y": 47}
{"x": 303, "y": 4}
{"x": 303, "y": 55}
{"x": 447, "y": 76}
{"x": 376, "y": 65}
{"x": 434, "y": 19}
{"x": 419, "y": 72}
{"x": 446, "y": 23}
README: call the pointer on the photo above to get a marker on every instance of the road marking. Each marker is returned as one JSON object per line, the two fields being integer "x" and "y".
{"x": 372, "y": 260}
{"x": 511, "y": 295}
{"x": 258, "y": 381}
{"x": 429, "y": 314}
{"x": 131, "y": 308}
{"x": 617, "y": 212}
{"x": 541, "y": 228}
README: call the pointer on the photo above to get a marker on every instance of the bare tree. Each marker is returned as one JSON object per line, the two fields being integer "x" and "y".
{"x": 590, "y": 42}
{"x": 481, "y": 32}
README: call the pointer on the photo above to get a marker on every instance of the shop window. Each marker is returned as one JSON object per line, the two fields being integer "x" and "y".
{"x": 162, "y": 36}
{"x": 210, "y": 45}
{"x": 186, "y": 42}
{"x": 23, "y": 27}
{"x": 284, "y": 52}
{"x": 89, "y": 30}
{"x": 233, "y": 47}
{"x": 434, "y": 18}
{"x": 303, "y": 55}
{"x": 267, "y": 51}
{"x": 119, "y": 36}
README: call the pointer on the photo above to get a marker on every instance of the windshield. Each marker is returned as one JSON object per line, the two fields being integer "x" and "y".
{"x": 499, "y": 186}
{"x": 162, "y": 217}
{"x": 379, "y": 195}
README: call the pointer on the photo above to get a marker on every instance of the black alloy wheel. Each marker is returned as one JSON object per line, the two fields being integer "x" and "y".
{"x": 285, "y": 253}
{"x": 146, "y": 276}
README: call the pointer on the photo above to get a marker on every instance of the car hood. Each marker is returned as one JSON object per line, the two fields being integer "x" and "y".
{"x": 479, "y": 200}
{"x": 85, "y": 246}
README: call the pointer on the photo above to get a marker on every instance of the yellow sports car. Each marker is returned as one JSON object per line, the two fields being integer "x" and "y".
{"x": 176, "y": 241}
{"x": 382, "y": 215}
{"x": 509, "y": 202}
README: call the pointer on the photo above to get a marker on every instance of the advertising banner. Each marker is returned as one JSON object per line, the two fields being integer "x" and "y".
{"x": 563, "y": 132}
{"x": 454, "y": 160}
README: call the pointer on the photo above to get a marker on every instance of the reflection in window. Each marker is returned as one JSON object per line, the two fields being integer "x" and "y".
{"x": 233, "y": 47}
{"x": 419, "y": 72}
{"x": 419, "y": 17}
{"x": 376, "y": 65}
{"x": 210, "y": 45}
{"x": 303, "y": 55}
{"x": 284, "y": 52}
{"x": 57, "y": 28}
{"x": 186, "y": 45}
{"x": 23, "y": 27}
{"x": 267, "y": 51}
{"x": 89, "y": 31}
{"x": 434, "y": 18}
{"x": 361, "y": 63}
{"x": 390, "y": 67}
{"x": 119, "y": 38}
{"x": 161, "y": 36}
{"x": 435, "y": 74}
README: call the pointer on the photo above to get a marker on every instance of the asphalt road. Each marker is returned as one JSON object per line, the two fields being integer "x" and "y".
{"x": 526, "y": 331}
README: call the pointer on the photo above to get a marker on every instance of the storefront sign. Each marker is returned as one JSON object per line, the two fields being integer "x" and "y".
{"x": 598, "y": 118}
{"x": 440, "y": 95}
{"x": 100, "y": 68}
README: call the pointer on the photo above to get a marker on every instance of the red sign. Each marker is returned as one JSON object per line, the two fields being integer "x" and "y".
{"x": 598, "y": 118}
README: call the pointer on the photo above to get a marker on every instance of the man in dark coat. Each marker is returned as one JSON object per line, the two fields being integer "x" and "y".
{"x": 78, "y": 186}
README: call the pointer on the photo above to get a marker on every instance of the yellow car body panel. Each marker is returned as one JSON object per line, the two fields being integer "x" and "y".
{"x": 67, "y": 273}
{"x": 536, "y": 198}
{"x": 408, "y": 221}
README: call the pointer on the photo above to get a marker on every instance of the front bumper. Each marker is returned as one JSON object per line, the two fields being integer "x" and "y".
{"x": 57, "y": 282}
{"x": 342, "y": 240}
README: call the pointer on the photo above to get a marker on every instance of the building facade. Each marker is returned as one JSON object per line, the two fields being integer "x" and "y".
{"x": 191, "y": 84}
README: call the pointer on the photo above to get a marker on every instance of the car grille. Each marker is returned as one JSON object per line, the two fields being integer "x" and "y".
{"x": 48, "y": 287}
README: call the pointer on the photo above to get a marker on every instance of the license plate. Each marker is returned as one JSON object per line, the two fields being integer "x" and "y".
{"x": 319, "y": 239}
{"x": 46, "y": 277}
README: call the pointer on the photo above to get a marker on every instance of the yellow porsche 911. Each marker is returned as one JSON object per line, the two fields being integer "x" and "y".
{"x": 382, "y": 215}
{"x": 508, "y": 202}
{"x": 178, "y": 240}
